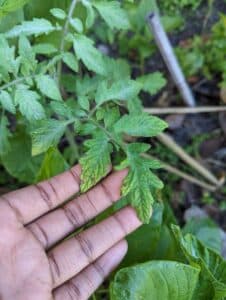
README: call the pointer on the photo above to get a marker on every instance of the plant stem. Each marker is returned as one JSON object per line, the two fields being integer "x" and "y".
{"x": 171, "y": 144}
{"x": 184, "y": 110}
{"x": 184, "y": 175}
{"x": 65, "y": 31}
{"x": 122, "y": 145}
{"x": 16, "y": 81}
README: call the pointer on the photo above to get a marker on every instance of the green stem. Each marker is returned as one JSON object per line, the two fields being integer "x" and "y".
{"x": 71, "y": 141}
{"x": 122, "y": 145}
{"x": 65, "y": 31}
{"x": 16, "y": 81}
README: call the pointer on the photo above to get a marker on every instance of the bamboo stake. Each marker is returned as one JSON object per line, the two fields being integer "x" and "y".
{"x": 184, "y": 175}
{"x": 184, "y": 110}
{"x": 169, "y": 57}
{"x": 171, "y": 144}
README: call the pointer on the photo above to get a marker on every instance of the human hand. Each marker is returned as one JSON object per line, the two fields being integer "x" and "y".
{"x": 32, "y": 266}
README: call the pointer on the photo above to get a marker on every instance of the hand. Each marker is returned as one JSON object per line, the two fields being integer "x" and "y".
{"x": 32, "y": 266}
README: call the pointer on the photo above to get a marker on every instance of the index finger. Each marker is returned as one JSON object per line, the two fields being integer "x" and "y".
{"x": 33, "y": 201}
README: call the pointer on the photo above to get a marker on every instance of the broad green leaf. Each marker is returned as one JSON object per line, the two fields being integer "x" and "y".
{"x": 152, "y": 83}
{"x": 7, "y": 102}
{"x": 77, "y": 24}
{"x": 27, "y": 54}
{"x": 212, "y": 265}
{"x": 28, "y": 103}
{"x": 121, "y": 90}
{"x": 18, "y": 161}
{"x": 58, "y": 13}
{"x": 4, "y": 135}
{"x": 48, "y": 87}
{"x": 46, "y": 133}
{"x": 90, "y": 56}
{"x": 7, "y": 6}
{"x": 71, "y": 61}
{"x": 44, "y": 48}
{"x": 155, "y": 280}
{"x": 35, "y": 27}
{"x": 112, "y": 13}
{"x": 96, "y": 161}
{"x": 140, "y": 181}
{"x": 206, "y": 231}
{"x": 140, "y": 125}
{"x": 53, "y": 164}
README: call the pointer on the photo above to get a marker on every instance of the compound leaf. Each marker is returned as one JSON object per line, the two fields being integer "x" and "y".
{"x": 34, "y": 27}
{"x": 112, "y": 13}
{"x": 140, "y": 125}
{"x": 120, "y": 90}
{"x": 152, "y": 83}
{"x": 29, "y": 105}
{"x": 46, "y": 133}
{"x": 90, "y": 56}
{"x": 7, "y": 102}
{"x": 140, "y": 181}
{"x": 48, "y": 87}
{"x": 96, "y": 161}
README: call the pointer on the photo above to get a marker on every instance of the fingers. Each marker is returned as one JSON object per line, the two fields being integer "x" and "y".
{"x": 31, "y": 202}
{"x": 72, "y": 256}
{"x": 83, "y": 285}
{"x": 56, "y": 225}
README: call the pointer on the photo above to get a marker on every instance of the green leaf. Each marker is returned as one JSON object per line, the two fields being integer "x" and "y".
{"x": 35, "y": 27}
{"x": 90, "y": 13}
{"x": 96, "y": 161}
{"x": 7, "y": 102}
{"x": 206, "y": 231}
{"x": 18, "y": 161}
{"x": 27, "y": 54}
{"x": 140, "y": 125}
{"x": 8, "y": 6}
{"x": 4, "y": 136}
{"x": 48, "y": 87}
{"x": 47, "y": 133}
{"x": 121, "y": 90}
{"x": 44, "y": 48}
{"x": 77, "y": 24}
{"x": 52, "y": 165}
{"x": 62, "y": 109}
{"x": 112, "y": 13}
{"x": 71, "y": 61}
{"x": 8, "y": 63}
{"x": 152, "y": 83}
{"x": 157, "y": 280}
{"x": 140, "y": 181}
{"x": 212, "y": 265}
{"x": 90, "y": 56}
{"x": 58, "y": 13}
{"x": 29, "y": 105}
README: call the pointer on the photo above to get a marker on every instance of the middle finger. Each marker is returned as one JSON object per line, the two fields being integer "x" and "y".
{"x": 56, "y": 225}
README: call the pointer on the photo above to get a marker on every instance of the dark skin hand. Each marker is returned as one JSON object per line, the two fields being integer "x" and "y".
{"x": 33, "y": 220}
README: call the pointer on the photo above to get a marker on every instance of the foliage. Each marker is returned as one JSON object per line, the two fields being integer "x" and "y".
{"x": 31, "y": 93}
{"x": 173, "y": 5}
{"x": 206, "y": 55}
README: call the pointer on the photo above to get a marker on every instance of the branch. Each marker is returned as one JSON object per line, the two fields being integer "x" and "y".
{"x": 184, "y": 110}
{"x": 65, "y": 31}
